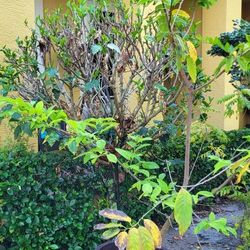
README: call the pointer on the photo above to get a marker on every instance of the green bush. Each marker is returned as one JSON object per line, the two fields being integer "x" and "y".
{"x": 48, "y": 201}
{"x": 172, "y": 149}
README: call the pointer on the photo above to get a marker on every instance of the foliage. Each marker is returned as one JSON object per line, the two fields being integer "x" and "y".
{"x": 151, "y": 57}
{"x": 234, "y": 38}
{"x": 224, "y": 45}
{"x": 206, "y": 140}
{"x": 245, "y": 236}
{"x": 130, "y": 236}
{"x": 219, "y": 225}
{"x": 48, "y": 202}
{"x": 90, "y": 64}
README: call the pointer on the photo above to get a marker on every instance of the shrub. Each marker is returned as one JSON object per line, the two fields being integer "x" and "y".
{"x": 172, "y": 149}
{"x": 48, "y": 202}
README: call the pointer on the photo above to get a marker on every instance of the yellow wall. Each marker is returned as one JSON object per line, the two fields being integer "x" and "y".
{"x": 216, "y": 20}
{"x": 13, "y": 13}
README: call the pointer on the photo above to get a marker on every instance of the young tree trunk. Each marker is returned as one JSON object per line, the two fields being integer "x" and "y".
{"x": 188, "y": 137}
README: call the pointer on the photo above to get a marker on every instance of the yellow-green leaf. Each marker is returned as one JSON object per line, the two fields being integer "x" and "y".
{"x": 155, "y": 232}
{"x": 192, "y": 51}
{"x": 121, "y": 240}
{"x": 183, "y": 210}
{"x": 180, "y": 13}
{"x": 134, "y": 242}
{"x": 242, "y": 172}
{"x": 110, "y": 233}
{"x": 146, "y": 238}
{"x": 106, "y": 226}
{"x": 191, "y": 68}
{"x": 114, "y": 214}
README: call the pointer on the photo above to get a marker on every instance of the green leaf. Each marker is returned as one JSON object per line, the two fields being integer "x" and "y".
{"x": 164, "y": 186}
{"x": 220, "y": 164}
{"x": 203, "y": 225}
{"x": 150, "y": 165}
{"x": 192, "y": 69}
{"x": 101, "y": 144}
{"x": 112, "y": 158}
{"x": 54, "y": 246}
{"x": 183, "y": 210}
{"x": 206, "y": 194}
{"x": 110, "y": 233}
{"x": 146, "y": 239}
{"x": 147, "y": 188}
{"x": 133, "y": 240}
{"x": 207, "y": 3}
{"x": 126, "y": 154}
{"x": 155, "y": 193}
{"x": 72, "y": 146}
{"x": 229, "y": 63}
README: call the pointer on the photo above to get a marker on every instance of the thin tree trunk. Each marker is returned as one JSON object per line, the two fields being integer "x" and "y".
{"x": 188, "y": 137}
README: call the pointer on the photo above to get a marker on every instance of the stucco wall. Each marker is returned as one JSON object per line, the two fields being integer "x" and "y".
{"x": 13, "y": 13}
{"x": 216, "y": 20}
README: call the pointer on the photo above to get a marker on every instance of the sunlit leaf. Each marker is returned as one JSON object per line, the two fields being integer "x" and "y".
{"x": 183, "y": 210}
{"x": 113, "y": 214}
{"x": 112, "y": 158}
{"x": 192, "y": 69}
{"x": 192, "y": 51}
{"x": 155, "y": 232}
{"x": 147, "y": 188}
{"x": 134, "y": 242}
{"x": 146, "y": 238}
{"x": 244, "y": 169}
{"x": 180, "y": 13}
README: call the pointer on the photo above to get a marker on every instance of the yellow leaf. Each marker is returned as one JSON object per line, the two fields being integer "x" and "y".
{"x": 180, "y": 13}
{"x": 147, "y": 240}
{"x": 242, "y": 172}
{"x": 192, "y": 51}
{"x": 155, "y": 232}
{"x": 134, "y": 242}
{"x": 121, "y": 240}
{"x": 113, "y": 214}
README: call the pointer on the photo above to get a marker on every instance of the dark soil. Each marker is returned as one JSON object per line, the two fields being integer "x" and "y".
{"x": 210, "y": 239}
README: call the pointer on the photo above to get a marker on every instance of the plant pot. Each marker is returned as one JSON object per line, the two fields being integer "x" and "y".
{"x": 111, "y": 246}
{"x": 107, "y": 246}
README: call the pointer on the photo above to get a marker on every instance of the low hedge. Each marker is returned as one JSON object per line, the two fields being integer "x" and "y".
{"x": 47, "y": 202}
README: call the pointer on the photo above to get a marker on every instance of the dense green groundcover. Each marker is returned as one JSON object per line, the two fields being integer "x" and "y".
{"x": 50, "y": 201}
